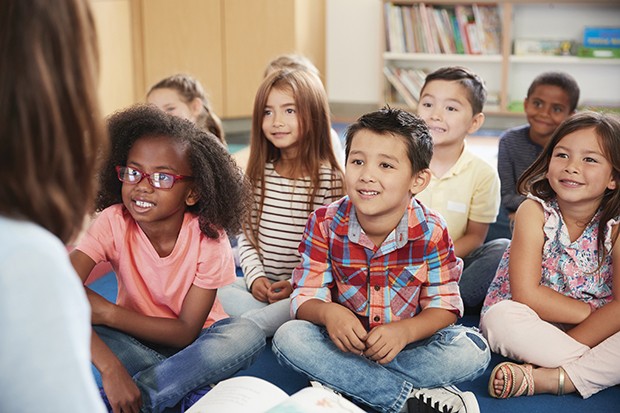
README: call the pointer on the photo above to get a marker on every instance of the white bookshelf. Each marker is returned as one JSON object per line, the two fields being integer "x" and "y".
{"x": 508, "y": 75}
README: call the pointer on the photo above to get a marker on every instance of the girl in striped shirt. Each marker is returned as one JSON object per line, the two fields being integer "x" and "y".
{"x": 293, "y": 171}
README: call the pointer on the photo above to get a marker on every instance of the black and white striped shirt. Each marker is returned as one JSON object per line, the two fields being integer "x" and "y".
{"x": 282, "y": 223}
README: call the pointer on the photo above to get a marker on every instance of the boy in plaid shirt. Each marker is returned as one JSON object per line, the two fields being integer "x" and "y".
{"x": 376, "y": 295}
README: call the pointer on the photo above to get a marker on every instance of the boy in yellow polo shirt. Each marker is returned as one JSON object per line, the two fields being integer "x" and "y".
{"x": 464, "y": 188}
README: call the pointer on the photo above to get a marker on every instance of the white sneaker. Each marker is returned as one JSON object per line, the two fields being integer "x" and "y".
{"x": 447, "y": 399}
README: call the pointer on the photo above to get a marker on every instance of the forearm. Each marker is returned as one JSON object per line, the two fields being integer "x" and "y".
{"x": 553, "y": 306}
{"x": 427, "y": 323}
{"x": 102, "y": 357}
{"x": 466, "y": 244}
{"x": 315, "y": 311}
{"x": 173, "y": 332}
{"x": 250, "y": 262}
{"x": 600, "y": 325}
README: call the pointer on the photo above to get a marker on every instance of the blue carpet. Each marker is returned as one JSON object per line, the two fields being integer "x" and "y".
{"x": 267, "y": 367}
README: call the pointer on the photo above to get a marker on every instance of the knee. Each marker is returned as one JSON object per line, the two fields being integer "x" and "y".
{"x": 502, "y": 320}
{"x": 292, "y": 336}
{"x": 476, "y": 345}
{"x": 234, "y": 328}
{"x": 498, "y": 246}
{"x": 465, "y": 349}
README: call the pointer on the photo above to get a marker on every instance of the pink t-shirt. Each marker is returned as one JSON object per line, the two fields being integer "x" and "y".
{"x": 153, "y": 285}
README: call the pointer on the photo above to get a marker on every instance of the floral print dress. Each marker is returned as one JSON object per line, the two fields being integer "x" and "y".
{"x": 570, "y": 268}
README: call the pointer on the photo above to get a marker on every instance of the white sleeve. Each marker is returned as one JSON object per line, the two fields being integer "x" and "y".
{"x": 45, "y": 323}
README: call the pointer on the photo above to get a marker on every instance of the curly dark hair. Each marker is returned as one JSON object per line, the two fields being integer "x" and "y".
{"x": 223, "y": 191}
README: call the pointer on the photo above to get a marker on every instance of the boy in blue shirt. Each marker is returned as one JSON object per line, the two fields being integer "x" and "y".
{"x": 551, "y": 98}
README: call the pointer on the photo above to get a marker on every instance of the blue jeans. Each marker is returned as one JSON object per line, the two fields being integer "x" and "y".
{"x": 501, "y": 228}
{"x": 237, "y": 300}
{"x": 479, "y": 269}
{"x": 451, "y": 355}
{"x": 165, "y": 375}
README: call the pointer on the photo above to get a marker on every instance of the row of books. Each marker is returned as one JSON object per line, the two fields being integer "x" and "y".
{"x": 553, "y": 47}
{"x": 459, "y": 29}
{"x": 407, "y": 82}
{"x": 602, "y": 42}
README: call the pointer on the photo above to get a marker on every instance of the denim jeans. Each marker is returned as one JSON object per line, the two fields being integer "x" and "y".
{"x": 165, "y": 375}
{"x": 237, "y": 300}
{"x": 451, "y": 355}
{"x": 479, "y": 269}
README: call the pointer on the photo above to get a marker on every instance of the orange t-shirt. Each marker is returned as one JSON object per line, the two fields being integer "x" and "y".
{"x": 153, "y": 285}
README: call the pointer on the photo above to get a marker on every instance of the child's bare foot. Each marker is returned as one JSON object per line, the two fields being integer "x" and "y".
{"x": 514, "y": 380}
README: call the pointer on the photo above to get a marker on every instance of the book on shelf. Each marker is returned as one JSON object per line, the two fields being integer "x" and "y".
{"x": 430, "y": 40}
{"x": 395, "y": 29}
{"x": 605, "y": 37}
{"x": 489, "y": 28}
{"x": 543, "y": 47}
{"x": 444, "y": 32}
{"x": 446, "y": 29}
{"x": 599, "y": 52}
{"x": 468, "y": 28}
{"x": 409, "y": 31}
{"x": 403, "y": 92}
{"x": 252, "y": 394}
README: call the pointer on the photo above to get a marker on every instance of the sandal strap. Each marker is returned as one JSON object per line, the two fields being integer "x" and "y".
{"x": 507, "y": 383}
{"x": 527, "y": 374}
{"x": 509, "y": 387}
{"x": 527, "y": 383}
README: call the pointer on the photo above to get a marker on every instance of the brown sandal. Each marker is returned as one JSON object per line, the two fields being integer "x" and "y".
{"x": 510, "y": 388}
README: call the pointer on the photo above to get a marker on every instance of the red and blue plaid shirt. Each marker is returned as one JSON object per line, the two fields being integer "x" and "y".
{"x": 415, "y": 267}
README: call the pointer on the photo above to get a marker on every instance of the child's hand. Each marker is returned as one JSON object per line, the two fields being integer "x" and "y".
{"x": 385, "y": 342}
{"x": 345, "y": 329}
{"x": 279, "y": 290}
{"x": 260, "y": 289}
{"x": 121, "y": 391}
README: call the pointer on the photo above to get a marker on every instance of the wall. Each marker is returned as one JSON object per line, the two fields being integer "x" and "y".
{"x": 353, "y": 51}
{"x": 116, "y": 83}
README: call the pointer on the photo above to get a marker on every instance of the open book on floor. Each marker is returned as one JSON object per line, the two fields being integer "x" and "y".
{"x": 247, "y": 394}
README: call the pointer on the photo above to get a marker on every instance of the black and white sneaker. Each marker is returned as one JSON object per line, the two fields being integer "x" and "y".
{"x": 447, "y": 399}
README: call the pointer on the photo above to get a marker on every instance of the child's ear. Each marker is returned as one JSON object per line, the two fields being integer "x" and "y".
{"x": 196, "y": 107}
{"x": 612, "y": 185}
{"x": 476, "y": 123}
{"x": 192, "y": 198}
{"x": 419, "y": 181}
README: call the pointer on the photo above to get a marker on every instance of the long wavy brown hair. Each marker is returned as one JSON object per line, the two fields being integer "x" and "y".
{"x": 51, "y": 130}
{"x": 314, "y": 129}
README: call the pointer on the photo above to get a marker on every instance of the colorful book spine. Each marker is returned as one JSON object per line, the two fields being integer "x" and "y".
{"x": 608, "y": 37}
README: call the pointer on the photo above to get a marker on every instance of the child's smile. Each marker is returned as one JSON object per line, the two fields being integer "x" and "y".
{"x": 150, "y": 205}
{"x": 379, "y": 180}
{"x": 280, "y": 124}
{"x": 578, "y": 171}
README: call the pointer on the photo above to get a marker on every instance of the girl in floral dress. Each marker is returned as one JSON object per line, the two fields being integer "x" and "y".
{"x": 555, "y": 300}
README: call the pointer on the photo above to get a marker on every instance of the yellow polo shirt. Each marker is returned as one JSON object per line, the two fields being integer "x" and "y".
{"x": 470, "y": 190}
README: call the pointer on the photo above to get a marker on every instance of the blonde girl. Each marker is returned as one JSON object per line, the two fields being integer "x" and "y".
{"x": 293, "y": 170}
{"x": 555, "y": 300}
{"x": 182, "y": 95}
